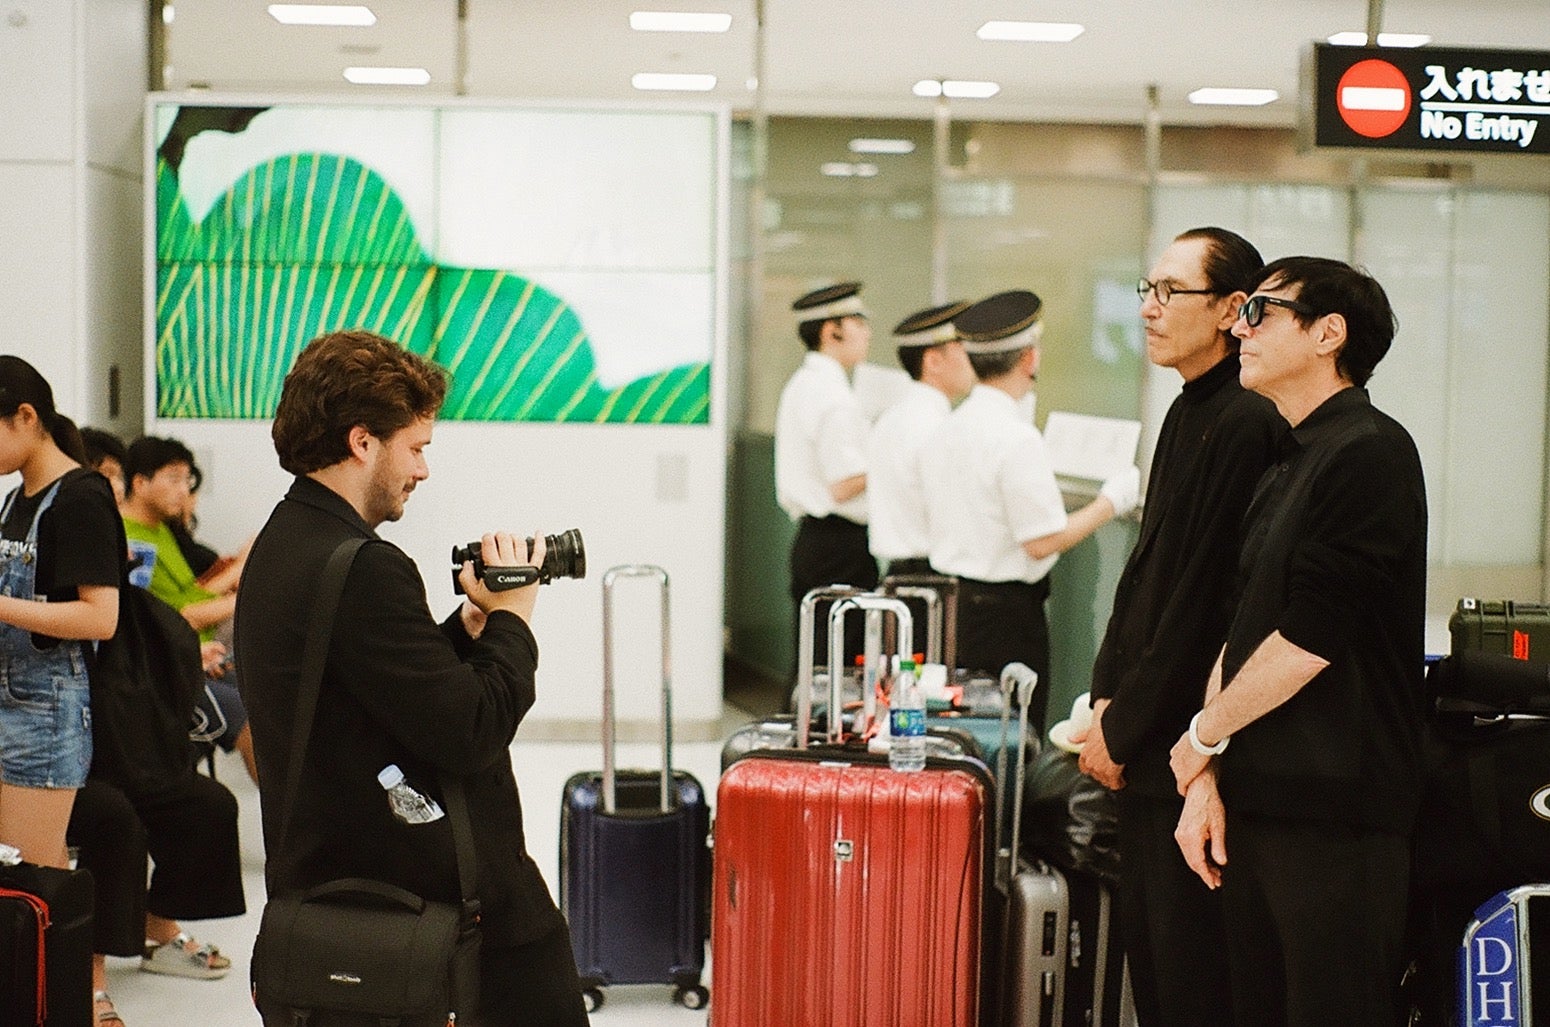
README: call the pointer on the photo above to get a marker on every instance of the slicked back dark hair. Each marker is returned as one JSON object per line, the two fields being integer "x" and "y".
{"x": 1335, "y": 287}
{"x": 346, "y": 379}
{"x": 1231, "y": 263}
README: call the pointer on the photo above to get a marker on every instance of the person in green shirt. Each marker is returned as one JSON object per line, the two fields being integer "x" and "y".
{"x": 159, "y": 474}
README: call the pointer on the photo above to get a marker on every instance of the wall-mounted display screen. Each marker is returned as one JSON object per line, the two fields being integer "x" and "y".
{"x": 560, "y": 264}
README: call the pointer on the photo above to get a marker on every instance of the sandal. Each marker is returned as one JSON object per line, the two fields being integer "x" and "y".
{"x": 185, "y": 957}
{"x": 105, "y": 1017}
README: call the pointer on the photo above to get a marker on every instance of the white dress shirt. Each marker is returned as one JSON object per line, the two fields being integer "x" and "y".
{"x": 820, "y": 439}
{"x": 896, "y": 492}
{"x": 992, "y": 489}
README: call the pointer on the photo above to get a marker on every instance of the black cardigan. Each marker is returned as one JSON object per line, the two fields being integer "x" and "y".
{"x": 396, "y": 689}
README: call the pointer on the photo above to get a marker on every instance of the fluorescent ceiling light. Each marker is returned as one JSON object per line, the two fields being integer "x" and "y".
{"x": 388, "y": 76}
{"x": 353, "y": 15}
{"x": 1234, "y": 97}
{"x": 666, "y": 80}
{"x": 958, "y": 89}
{"x": 845, "y": 169}
{"x": 679, "y": 21}
{"x": 1393, "y": 39}
{"x": 881, "y": 146}
{"x": 1031, "y": 31}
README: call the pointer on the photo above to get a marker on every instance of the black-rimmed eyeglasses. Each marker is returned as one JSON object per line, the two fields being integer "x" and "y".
{"x": 1166, "y": 290}
{"x": 1253, "y": 310}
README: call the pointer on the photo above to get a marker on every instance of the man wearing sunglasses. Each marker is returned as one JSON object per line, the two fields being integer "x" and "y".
{"x": 1319, "y": 685}
{"x": 1171, "y": 612}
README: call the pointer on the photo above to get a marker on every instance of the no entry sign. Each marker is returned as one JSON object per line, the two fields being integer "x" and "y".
{"x": 1454, "y": 100}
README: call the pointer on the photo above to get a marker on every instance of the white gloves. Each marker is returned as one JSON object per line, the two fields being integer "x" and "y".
{"x": 1123, "y": 490}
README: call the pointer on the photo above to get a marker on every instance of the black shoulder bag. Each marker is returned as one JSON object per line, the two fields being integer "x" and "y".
{"x": 357, "y": 952}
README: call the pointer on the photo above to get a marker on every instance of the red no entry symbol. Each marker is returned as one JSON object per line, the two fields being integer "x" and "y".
{"x": 1373, "y": 98}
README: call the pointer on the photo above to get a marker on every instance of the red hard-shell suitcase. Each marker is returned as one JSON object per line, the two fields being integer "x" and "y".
{"x": 634, "y": 867}
{"x": 846, "y": 893}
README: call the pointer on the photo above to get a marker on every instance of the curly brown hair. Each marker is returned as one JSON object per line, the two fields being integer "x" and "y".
{"x": 345, "y": 379}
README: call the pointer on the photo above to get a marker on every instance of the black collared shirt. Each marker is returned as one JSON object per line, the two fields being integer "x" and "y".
{"x": 1334, "y": 558}
{"x": 1175, "y": 597}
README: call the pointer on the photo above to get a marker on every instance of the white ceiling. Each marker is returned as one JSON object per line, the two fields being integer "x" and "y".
{"x": 847, "y": 57}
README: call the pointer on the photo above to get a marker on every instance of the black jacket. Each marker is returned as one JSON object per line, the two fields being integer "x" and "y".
{"x": 1175, "y": 598}
{"x": 396, "y": 689}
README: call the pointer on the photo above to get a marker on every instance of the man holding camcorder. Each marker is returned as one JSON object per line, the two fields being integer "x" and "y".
{"x": 440, "y": 703}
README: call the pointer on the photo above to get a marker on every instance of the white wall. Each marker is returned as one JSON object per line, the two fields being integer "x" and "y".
{"x": 72, "y": 82}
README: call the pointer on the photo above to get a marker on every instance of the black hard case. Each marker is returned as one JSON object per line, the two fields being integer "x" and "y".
{"x": 66, "y": 948}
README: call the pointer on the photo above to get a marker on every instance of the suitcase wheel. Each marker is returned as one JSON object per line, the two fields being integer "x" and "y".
{"x": 592, "y": 998}
{"x": 695, "y": 997}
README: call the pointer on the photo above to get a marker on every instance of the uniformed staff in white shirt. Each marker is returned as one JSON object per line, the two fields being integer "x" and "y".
{"x": 820, "y": 451}
{"x": 940, "y": 376}
{"x": 997, "y": 518}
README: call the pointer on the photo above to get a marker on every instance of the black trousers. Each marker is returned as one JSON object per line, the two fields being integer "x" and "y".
{"x": 1315, "y": 920}
{"x": 532, "y": 985}
{"x": 189, "y": 832}
{"x": 830, "y": 551}
{"x": 1171, "y": 922}
{"x": 1001, "y": 622}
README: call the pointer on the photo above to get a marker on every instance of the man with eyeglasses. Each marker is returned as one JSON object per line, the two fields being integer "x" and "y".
{"x": 1319, "y": 684}
{"x": 1171, "y": 612}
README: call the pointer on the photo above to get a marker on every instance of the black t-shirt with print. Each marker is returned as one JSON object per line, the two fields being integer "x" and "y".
{"x": 80, "y": 537}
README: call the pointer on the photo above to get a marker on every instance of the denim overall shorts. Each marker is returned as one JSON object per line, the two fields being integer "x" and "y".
{"x": 45, "y": 698}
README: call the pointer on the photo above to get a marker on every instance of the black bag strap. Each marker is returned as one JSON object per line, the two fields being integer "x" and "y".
{"x": 314, "y": 654}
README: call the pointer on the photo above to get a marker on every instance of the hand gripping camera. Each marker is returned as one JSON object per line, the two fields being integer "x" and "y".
{"x": 564, "y": 557}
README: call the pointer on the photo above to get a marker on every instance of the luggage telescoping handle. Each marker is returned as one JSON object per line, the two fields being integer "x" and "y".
{"x": 1021, "y": 677}
{"x": 808, "y": 616}
{"x": 837, "y": 612}
{"x": 635, "y": 570}
{"x": 940, "y": 593}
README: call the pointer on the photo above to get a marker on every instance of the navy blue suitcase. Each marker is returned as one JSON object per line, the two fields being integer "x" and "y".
{"x": 634, "y": 863}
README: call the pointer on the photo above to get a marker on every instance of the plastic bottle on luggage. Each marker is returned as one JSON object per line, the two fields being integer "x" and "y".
{"x": 408, "y": 805}
{"x": 906, "y": 721}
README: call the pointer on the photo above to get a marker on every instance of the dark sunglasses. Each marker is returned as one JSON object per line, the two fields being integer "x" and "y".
{"x": 1253, "y": 311}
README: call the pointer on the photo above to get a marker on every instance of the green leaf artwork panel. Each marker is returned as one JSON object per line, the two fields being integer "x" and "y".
{"x": 311, "y": 243}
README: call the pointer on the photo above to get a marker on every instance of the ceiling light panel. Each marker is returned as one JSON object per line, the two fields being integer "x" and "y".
{"x": 1398, "y": 40}
{"x": 350, "y": 15}
{"x": 957, "y": 89}
{"x": 1031, "y": 31}
{"x": 1220, "y": 97}
{"x": 675, "y": 82}
{"x": 679, "y": 21}
{"x": 881, "y": 146}
{"x": 368, "y": 76}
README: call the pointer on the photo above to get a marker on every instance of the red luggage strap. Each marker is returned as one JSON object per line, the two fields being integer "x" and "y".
{"x": 40, "y": 910}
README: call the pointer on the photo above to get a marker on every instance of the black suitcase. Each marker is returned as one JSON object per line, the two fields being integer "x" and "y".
{"x": 45, "y": 946}
{"x": 634, "y": 865}
{"x": 1504, "y": 626}
{"x": 1063, "y": 960}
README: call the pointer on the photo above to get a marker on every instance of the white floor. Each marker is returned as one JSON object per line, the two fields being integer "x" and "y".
{"x": 150, "y": 1000}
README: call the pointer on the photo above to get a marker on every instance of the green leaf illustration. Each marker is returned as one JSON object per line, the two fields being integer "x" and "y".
{"x": 311, "y": 243}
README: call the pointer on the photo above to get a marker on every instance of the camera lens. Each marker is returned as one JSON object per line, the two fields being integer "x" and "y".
{"x": 565, "y": 556}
